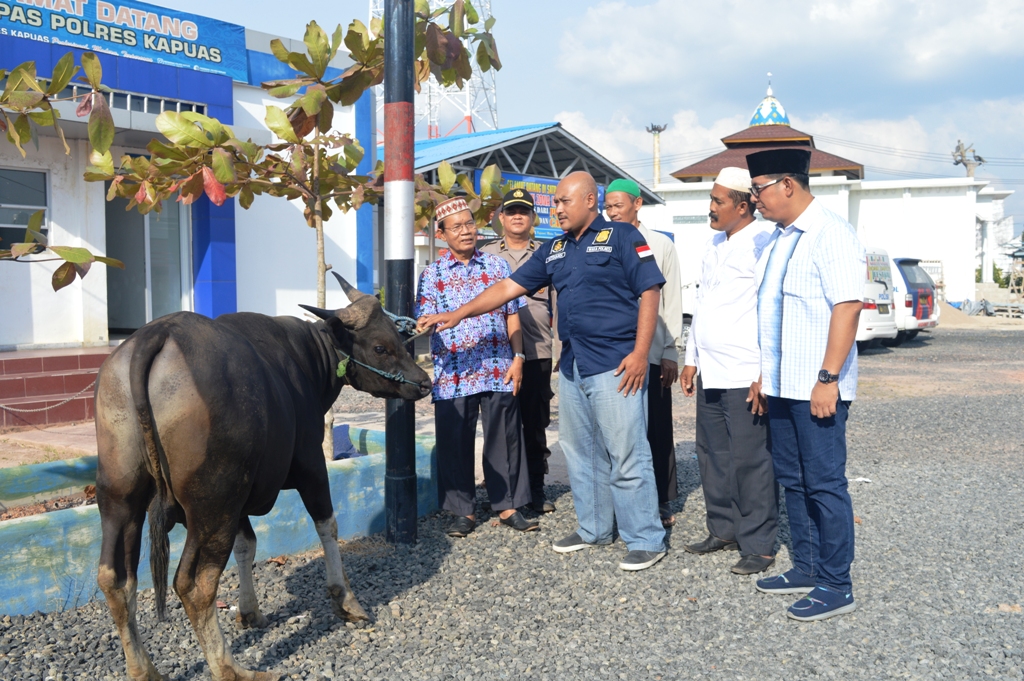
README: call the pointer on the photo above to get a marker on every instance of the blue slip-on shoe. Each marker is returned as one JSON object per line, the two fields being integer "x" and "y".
{"x": 820, "y": 604}
{"x": 791, "y": 581}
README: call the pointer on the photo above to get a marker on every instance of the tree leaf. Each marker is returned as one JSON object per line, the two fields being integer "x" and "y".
{"x": 63, "y": 71}
{"x": 326, "y": 118}
{"x": 224, "y": 165}
{"x": 73, "y": 254}
{"x": 46, "y": 117}
{"x": 213, "y": 188}
{"x": 84, "y": 107}
{"x": 482, "y": 58}
{"x": 64, "y": 276}
{"x": 336, "y": 40}
{"x": 35, "y": 222}
{"x": 19, "y": 250}
{"x": 279, "y": 50}
{"x": 110, "y": 262}
{"x": 314, "y": 98}
{"x": 101, "y": 124}
{"x": 490, "y": 180}
{"x": 281, "y": 91}
{"x": 446, "y": 176}
{"x": 472, "y": 16}
{"x": 437, "y": 44}
{"x": 300, "y": 62}
{"x": 82, "y": 268}
{"x": 279, "y": 124}
{"x": 181, "y": 131}
{"x": 489, "y": 23}
{"x": 93, "y": 69}
{"x": 319, "y": 48}
{"x": 342, "y": 368}
{"x": 422, "y": 7}
{"x": 245, "y": 197}
{"x": 457, "y": 18}
{"x": 23, "y": 99}
{"x": 191, "y": 189}
{"x": 158, "y": 150}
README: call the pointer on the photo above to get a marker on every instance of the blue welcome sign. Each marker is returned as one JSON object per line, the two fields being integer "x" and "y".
{"x": 130, "y": 29}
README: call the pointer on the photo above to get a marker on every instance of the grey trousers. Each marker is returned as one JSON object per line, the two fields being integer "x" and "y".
{"x": 504, "y": 456}
{"x": 734, "y": 457}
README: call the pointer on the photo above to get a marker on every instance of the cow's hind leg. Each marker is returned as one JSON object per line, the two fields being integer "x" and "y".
{"x": 207, "y": 548}
{"x": 249, "y": 614}
{"x": 119, "y": 560}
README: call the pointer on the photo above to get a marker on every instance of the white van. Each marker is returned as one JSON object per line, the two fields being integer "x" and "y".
{"x": 914, "y": 295}
{"x": 877, "y": 318}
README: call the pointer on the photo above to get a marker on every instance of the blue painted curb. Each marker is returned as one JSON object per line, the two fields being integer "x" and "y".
{"x": 23, "y": 483}
{"x": 50, "y": 560}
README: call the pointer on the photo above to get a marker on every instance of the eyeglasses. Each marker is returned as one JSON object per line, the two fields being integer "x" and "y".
{"x": 462, "y": 228}
{"x": 756, "y": 189}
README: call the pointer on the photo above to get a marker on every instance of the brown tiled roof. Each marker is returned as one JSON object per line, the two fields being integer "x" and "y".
{"x": 737, "y": 157}
{"x": 774, "y": 133}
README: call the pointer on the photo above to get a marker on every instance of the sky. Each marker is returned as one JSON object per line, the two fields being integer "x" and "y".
{"x": 900, "y": 80}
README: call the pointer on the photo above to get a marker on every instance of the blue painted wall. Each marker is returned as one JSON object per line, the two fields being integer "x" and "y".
{"x": 366, "y": 119}
{"x": 50, "y": 560}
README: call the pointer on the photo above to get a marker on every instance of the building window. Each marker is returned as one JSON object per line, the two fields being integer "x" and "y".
{"x": 22, "y": 193}
{"x": 689, "y": 219}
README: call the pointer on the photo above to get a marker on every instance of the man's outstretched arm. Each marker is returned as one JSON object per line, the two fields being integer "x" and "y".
{"x": 491, "y": 299}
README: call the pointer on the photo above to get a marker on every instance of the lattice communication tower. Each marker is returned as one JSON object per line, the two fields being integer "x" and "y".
{"x": 473, "y": 108}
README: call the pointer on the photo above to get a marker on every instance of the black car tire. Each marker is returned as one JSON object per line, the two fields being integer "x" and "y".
{"x": 895, "y": 342}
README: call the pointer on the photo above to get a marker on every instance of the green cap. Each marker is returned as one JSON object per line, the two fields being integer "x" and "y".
{"x": 624, "y": 185}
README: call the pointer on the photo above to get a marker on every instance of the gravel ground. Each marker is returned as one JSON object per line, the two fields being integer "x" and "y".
{"x": 939, "y": 433}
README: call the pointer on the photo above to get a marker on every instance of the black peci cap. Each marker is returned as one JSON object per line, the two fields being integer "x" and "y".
{"x": 517, "y": 197}
{"x": 779, "y": 161}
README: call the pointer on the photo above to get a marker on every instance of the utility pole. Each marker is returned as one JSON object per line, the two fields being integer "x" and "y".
{"x": 400, "y": 501}
{"x": 960, "y": 157}
{"x": 656, "y": 130}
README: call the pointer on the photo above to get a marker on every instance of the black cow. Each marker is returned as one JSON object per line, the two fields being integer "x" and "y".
{"x": 204, "y": 421}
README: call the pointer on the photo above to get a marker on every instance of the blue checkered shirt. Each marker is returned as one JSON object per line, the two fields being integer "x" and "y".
{"x": 828, "y": 266}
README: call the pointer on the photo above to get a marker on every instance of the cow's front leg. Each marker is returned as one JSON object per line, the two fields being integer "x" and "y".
{"x": 343, "y": 599}
{"x": 249, "y": 614}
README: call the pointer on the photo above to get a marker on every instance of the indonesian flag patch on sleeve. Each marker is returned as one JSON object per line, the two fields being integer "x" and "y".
{"x": 643, "y": 250}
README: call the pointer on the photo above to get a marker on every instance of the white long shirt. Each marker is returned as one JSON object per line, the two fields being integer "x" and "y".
{"x": 723, "y": 332}
{"x": 668, "y": 333}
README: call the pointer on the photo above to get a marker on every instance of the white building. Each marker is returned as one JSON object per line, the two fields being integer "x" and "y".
{"x": 204, "y": 258}
{"x": 935, "y": 219}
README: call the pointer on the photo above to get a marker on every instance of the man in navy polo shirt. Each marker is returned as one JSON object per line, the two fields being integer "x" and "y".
{"x": 608, "y": 289}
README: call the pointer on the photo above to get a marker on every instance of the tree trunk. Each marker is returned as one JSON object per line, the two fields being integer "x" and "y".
{"x": 321, "y": 278}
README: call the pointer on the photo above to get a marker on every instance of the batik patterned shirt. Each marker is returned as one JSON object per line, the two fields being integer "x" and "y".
{"x": 474, "y": 356}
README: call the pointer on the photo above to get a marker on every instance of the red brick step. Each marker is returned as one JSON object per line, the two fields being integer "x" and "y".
{"x": 43, "y": 378}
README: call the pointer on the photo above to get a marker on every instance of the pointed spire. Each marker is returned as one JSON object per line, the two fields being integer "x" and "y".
{"x": 770, "y": 94}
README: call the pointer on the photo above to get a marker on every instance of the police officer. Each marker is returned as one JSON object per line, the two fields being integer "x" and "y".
{"x": 516, "y": 247}
{"x": 608, "y": 289}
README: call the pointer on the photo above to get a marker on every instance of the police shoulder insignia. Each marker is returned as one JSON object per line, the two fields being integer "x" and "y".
{"x": 643, "y": 250}
{"x": 603, "y": 236}
{"x": 558, "y": 246}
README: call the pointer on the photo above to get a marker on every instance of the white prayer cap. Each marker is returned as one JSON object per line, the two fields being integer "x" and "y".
{"x": 734, "y": 178}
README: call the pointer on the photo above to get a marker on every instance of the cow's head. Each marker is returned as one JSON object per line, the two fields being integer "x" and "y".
{"x": 363, "y": 332}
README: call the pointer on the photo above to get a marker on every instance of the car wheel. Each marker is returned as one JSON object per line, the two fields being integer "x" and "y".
{"x": 863, "y": 345}
{"x": 895, "y": 342}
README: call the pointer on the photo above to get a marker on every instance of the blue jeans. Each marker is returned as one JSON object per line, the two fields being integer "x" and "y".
{"x": 604, "y": 438}
{"x": 809, "y": 457}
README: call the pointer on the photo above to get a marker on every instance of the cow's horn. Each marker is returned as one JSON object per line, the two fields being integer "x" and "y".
{"x": 352, "y": 292}
{"x": 319, "y": 312}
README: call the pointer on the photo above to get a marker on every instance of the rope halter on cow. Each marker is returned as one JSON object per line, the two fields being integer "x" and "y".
{"x": 407, "y": 326}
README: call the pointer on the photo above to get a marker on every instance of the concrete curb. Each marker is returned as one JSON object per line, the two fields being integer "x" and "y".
{"x": 51, "y": 559}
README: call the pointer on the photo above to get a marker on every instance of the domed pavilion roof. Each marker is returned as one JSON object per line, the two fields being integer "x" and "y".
{"x": 769, "y": 112}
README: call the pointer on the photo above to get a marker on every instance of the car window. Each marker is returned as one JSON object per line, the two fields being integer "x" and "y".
{"x": 915, "y": 275}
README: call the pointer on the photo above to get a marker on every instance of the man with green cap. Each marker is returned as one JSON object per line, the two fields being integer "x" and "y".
{"x": 622, "y": 203}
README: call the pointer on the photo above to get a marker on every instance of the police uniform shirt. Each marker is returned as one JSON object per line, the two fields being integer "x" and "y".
{"x": 599, "y": 280}
{"x": 535, "y": 320}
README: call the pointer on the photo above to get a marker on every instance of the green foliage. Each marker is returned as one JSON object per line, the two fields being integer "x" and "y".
{"x": 343, "y": 367}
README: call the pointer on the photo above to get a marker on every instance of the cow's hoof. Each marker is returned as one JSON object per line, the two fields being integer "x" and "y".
{"x": 239, "y": 674}
{"x": 148, "y": 674}
{"x": 252, "y": 620}
{"x": 348, "y": 608}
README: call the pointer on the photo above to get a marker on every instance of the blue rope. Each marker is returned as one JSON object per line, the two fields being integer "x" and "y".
{"x": 406, "y": 325}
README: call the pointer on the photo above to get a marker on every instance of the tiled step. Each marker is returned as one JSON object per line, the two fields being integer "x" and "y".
{"x": 44, "y": 378}
{"x": 78, "y": 409}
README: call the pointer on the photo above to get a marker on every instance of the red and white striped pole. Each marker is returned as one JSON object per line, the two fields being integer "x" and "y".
{"x": 399, "y": 257}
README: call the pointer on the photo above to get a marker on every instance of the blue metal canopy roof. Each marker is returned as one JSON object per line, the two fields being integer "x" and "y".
{"x": 543, "y": 149}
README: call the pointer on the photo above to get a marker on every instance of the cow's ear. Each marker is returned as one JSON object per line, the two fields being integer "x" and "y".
{"x": 352, "y": 292}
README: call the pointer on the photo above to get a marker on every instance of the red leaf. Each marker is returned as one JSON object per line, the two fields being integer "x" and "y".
{"x": 214, "y": 189}
{"x": 141, "y": 196}
{"x": 84, "y": 107}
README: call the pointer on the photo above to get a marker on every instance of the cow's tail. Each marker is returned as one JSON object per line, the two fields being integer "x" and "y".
{"x": 148, "y": 346}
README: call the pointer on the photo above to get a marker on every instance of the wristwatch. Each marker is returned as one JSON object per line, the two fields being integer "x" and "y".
{"x": 521, "y": 356}
{"x": 825, "y": 377}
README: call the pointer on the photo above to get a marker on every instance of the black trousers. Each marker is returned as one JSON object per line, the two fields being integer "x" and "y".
{"x": 735, "y": 461}
{"x": 504, "y": 457}
{"x": 535, "y": 406}
{"x": 659, "y": 435}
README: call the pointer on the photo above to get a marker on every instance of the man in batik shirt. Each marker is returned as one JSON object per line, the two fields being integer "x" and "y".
{"x": 478, "y": 368}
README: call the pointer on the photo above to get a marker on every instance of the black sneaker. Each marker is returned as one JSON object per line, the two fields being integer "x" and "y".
{"x": 572, "y": 543}
{"x": 640, "y": 560}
